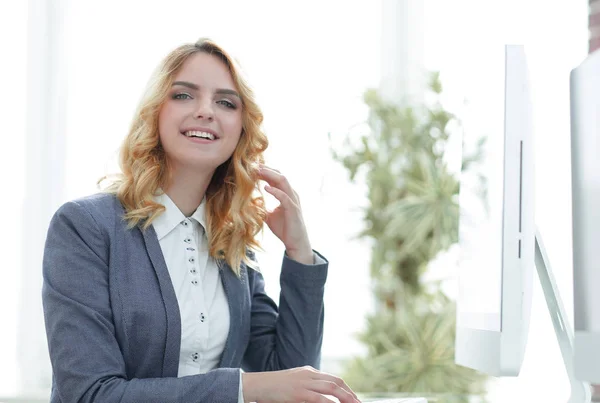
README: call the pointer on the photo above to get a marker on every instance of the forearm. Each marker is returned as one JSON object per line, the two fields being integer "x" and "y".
{"x": 301, "y": 312}
{"x": 219, "y": 385}
{"x": 290, "y": 335}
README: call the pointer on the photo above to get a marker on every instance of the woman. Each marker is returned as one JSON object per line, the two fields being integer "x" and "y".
{"x": 151, "y": 292}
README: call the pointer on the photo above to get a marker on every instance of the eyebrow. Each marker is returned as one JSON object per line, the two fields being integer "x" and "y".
{"x": 218, "y": 90}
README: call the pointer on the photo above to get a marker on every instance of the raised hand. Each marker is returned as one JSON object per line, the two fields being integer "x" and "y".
{"x": 286, "y": 221}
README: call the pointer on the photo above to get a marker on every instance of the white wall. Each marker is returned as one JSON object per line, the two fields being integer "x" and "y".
{"x": 44, "y": 179}
{"x": 13, "y": 34}
{"x": 403, "y": 78}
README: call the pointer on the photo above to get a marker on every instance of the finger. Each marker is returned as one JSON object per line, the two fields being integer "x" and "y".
{"x": 333, "y": 389}
{"x": 280, "y": 195}
{"x": 313, "y": 397}
{"x": 338, "y": 381}
{"x": 297, "y": 198}
{"x": 277, "y": 180}
{"x": 272, "y": 169}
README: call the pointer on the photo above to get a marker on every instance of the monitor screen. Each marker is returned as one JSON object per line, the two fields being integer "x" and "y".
{"x": 585, "y": 170}
{"x": 481, "y": 201}
{"x": 480, "y": 236}
{"x": 497, "y": 222}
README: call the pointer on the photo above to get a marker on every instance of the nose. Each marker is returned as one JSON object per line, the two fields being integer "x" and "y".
{"x": 204, "y": 110}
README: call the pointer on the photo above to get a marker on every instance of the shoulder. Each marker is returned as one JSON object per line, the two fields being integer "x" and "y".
{"x": 83, "y": 224}
{"x": 98, "y": 202}
{"x": 99, "y": 209}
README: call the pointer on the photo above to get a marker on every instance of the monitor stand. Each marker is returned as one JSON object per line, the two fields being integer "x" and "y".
{"x": 580, "y": 391}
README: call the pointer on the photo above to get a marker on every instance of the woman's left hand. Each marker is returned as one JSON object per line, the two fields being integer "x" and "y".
{"x": 286, "y": 221}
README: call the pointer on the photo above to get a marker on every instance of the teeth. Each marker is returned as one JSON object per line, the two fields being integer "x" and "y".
{"x": 203, "y": 135}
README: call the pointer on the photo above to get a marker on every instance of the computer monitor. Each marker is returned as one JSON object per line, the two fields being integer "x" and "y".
{"x": 585, "y": 181}
{"x": 497, "y": 235}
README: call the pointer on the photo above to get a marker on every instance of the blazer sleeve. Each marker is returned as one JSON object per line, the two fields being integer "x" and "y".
{"x": 85, "y": 355}
{"x": 289, "y": 336}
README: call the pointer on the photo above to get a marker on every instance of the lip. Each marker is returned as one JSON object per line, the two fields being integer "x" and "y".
{"x": 201, "y": 129}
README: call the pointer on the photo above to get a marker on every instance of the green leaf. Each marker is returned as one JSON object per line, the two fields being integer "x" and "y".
{"x": 411, "y": 217}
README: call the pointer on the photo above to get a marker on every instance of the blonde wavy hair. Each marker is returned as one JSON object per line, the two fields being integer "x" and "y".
{"x": 234, "y": 215}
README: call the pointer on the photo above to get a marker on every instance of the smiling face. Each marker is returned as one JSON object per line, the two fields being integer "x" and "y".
{"x": 200, "y": 121}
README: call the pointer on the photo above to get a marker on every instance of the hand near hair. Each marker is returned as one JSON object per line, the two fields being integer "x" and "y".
{"x": 286, "y": 221}
{"x": 296, "y": 385}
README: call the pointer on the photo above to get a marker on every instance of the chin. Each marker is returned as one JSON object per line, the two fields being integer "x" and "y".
{"x": 206, "y": 163}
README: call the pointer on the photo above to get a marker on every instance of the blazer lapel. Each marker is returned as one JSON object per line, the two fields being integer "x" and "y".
{"x": 236, "y": 292}
{"x": 173, "y": 332}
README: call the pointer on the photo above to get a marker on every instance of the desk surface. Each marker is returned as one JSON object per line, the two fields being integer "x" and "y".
{"x": 433, "y": 398}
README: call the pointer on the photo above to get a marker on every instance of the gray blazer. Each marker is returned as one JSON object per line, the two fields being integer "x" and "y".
{"x": 112, "y": 318}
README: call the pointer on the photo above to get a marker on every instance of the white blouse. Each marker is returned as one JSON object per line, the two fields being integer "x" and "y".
{"x": 195, "y": 276}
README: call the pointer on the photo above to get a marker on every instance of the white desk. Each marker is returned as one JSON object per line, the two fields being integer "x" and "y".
{"x": 399, "y": 400}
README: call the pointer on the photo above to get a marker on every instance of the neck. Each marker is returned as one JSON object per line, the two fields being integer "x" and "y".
{"x": 187, "y": 189}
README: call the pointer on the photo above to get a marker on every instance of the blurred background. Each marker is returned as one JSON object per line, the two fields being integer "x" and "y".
{"x": 359, "y": 99}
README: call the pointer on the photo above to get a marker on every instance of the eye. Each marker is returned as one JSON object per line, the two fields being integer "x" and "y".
{"x": 181, "y": 95}
{"x": 227, "y": 104}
